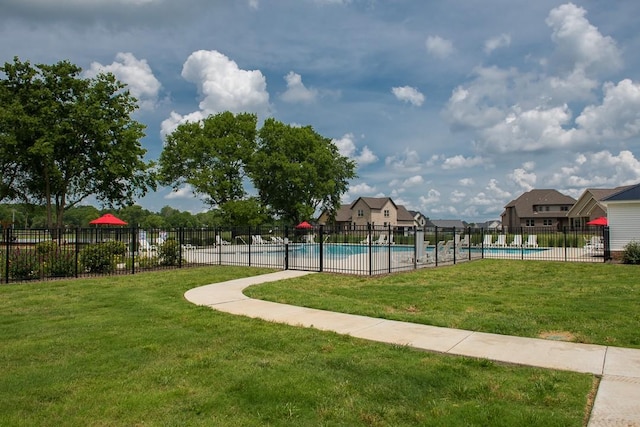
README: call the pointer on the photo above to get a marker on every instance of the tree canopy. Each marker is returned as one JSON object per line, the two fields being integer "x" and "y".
{"x": 210, "y": 156}
{"x": 298, "y": 171}
{"x": 72, "y": 137}
{"x": 294, "y": 170}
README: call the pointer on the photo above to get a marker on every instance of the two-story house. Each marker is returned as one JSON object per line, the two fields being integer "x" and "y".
{"x": 538, "y": 208}
{"x": 377, "y": 211}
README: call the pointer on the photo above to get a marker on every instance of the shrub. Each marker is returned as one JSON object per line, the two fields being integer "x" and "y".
{"x": 46, "y": 247}
{"x": 60, "y": 263}
{"x": 169, "y": 253}
{"x": 631, "y": 253}
{"x": 102, "y": 257}
{"x": 24, "y": 265}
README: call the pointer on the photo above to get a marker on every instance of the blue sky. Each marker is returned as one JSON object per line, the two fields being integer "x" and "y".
{"x": 452, "y": 108}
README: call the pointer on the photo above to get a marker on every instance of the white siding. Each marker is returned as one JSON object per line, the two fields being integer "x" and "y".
{"x": 624, "y": 223}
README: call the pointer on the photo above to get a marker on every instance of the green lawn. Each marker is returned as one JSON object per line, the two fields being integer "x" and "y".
{"x": 130, "y": 350}
{"x": 589, "y": 303}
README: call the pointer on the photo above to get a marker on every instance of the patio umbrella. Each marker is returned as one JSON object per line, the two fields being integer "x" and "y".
{"x": 599, "y": 221}
{"x": 108, "y": 219}
{"x": 304, "y": 225}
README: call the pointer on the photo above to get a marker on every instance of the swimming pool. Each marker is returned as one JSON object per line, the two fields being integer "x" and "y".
{"x": 340, "y": 250}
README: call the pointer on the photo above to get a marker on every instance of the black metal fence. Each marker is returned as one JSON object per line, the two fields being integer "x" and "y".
{"x": 37, "y": 254}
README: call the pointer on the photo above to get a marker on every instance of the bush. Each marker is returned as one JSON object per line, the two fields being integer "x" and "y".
{"x": 102, "y": 257}
{"x": 631, "y": 253}
{"x": 60, "y": 263}
{"x": 24, "y": 265}
{"x": 46, "y": 247}
{"x": 169, "y": 253}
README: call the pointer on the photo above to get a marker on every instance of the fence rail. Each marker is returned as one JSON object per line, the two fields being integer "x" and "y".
{"x": 38, "y": 254}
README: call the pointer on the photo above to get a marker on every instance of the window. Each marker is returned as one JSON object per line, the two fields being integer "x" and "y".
{"x": 546, "y": 208}
{"x": 530, "y": 222}
{"x": 564, "y": 208}
{"x": 547, "y": 222}
{"x": 386, "y": 214}
{"x": 360, "y": 213}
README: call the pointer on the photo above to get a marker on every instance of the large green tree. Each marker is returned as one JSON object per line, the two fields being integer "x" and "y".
{"x": 73, "y": 137}
{"x": 210, "y": 156}
{"x": 298, "y": 171}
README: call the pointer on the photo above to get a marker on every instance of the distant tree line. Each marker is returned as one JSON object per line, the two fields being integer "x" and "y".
{"x": 64, "y": 137}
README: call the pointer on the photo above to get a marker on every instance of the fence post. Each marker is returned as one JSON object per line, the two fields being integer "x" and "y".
{"x": 77, "y": 251}
{"x": 436, "y": 246}
{"x": 180, "y": 242}
{"x": 134, "y": 248}
{"x": 321, "y": 238}
{"x": 389, "y": 245}
{"x": 607, "y": 244}
{"x": 7, "y": 233}
{"x": 286, "y": 247}
{"x": 370, "y": 249}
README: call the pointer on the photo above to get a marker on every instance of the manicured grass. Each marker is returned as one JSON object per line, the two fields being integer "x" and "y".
{"x": 130, "y": 350}
{"x": 590, "y": 303}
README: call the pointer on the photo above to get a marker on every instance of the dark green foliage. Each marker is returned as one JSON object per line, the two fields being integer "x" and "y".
{"x": 631, "y": 254}
{"x": 60, "y": 263}
{"x": 169, "y": 253}
{"x": 24, "y": 264}
{"x": 101, "y": 257}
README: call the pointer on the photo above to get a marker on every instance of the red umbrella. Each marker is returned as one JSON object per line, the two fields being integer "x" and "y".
{"x": 599, "y": 221}
{"x": 304, "y": 225}
{"x": 108, "y": 219}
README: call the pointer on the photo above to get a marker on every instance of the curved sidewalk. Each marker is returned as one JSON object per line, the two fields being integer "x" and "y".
{"x": 618, "y": 399}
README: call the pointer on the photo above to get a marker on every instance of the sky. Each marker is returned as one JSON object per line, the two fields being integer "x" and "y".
{"x": 451, "y": 108}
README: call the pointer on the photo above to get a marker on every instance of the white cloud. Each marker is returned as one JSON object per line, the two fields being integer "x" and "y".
{"x": 185, "y": 192}
{"x": 296, "y": 90}
{"x": 174, "y": 120}
{"x": 579, "y": 44}
{"x": 524, "y": 179}
{"x": 459, "y": 161}
{"x": 618, "y": 117}
{"x": 224, "y": 86}
{"x": 414, "y": 181}
{"x": 408, "y": 94}
{"x": 503, "y": 40}
{"x": 409, "y": 161}
{"x": 254, "y": 4}
{"x": 433, "y": 196}
{"x": 496, "y": 191}
{"x": 439, "y": 47}
{"x": 457, "y": 196}
{"x": 136, "y": 73}
{"x": 347, "y": 147}
{"x": 598, "y": 169}
{"x": 466, "y": 182}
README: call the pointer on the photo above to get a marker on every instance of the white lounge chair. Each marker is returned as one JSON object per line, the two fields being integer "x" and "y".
{"x": 145, "y": 246}
{"x": 382, "y": 239}
{"x": 594, "y": 246}
{"x": 488, "y": 240}
{"x": 220, "y": 241}
{"x": 366, "y": 241}
{"x": 517, "y": 240}
{"x": 256, "y": 239}
{"x": 532, "y": 241}
{"x": 501, "y": 241}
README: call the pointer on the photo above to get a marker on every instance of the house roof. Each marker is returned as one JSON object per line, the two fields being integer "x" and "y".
{"x": 590, "y": 199}
{"x": 404, "y": 214}
{"x": 524, "y": 204}
{"x": 375, "y": 203}
{"x": 344, "y": 214}
{"x": 629, "y": 193}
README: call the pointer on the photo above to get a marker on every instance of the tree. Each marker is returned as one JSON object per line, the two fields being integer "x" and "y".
{"x": 297, "y": 171}
{"x": 210, "y": 156}
{"x": 74, "y": 137}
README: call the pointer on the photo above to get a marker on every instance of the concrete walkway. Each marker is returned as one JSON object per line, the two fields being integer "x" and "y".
{"x": 617, "y": 401}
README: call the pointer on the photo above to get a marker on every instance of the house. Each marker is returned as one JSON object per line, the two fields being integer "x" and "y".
{"x": 538, "y": 208}
{"x": 490, "y": 225}
{"x": 589, "y": 205}
{"x": 421, "y": 220}
{"x": 377, "y": 211}
{"x": 623, "y": 213}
